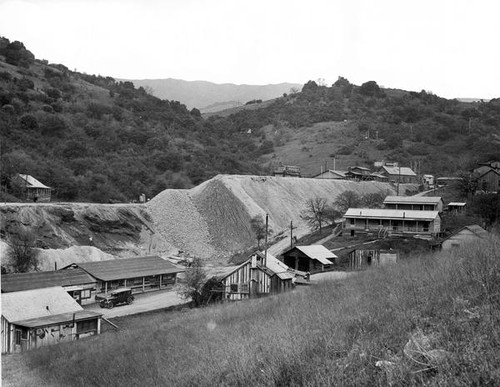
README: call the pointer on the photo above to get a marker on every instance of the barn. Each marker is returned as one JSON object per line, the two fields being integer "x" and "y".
{"x": 41, "y": 317}
{"x": 260, "y": 275}
{"x": 312, "y": 259}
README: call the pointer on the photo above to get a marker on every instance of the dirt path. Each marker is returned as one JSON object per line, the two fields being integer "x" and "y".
{"x": 143, "y": 303}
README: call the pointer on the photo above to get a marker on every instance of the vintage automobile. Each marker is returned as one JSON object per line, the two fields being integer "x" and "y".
{"x": 114, "y": 297}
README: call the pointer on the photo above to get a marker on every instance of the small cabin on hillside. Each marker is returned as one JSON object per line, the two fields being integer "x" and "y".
{"x": 260, "y": 275}
{"x": 392, "y": 221}
{"x": 76, "y": 282}
{"x": 141, "y": 274}
{"x": 312, "y": 259}
{"x": 31, "y": 188}
{"x": 40, "y": 317}
{"x": 489, "y": 181}
{"x": 464, "y": 235}
{"x": 456, "y": 207}
{"x": 398, "y": 174}
{"x": 416, "y": 203}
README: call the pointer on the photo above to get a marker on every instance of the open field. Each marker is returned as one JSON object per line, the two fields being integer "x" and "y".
{"x": 433, "y": 320}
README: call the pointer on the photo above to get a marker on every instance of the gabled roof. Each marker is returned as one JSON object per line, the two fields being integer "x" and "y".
{"x": 382, "y": 213}
{"x": 116, "y": 269}
{"x": 413, "y": 199}
{"x": 403, "y": 171}
{"x": 36, "y": 303}
{"x": 475, "y": 229}
{"x": 317, "y": 252}
{"x": 273, "y": 266}
{"x": 44, "y": 279}
{"x": 31, "y": 182}
{"x": 491, "y": 170}
{"x": 335, "y": 172}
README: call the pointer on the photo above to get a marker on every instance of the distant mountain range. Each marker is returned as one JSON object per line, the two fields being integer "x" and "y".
{"x": 209, "y": 97}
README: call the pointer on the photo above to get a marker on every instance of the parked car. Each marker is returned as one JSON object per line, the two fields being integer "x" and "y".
{"x": 114, "y": 297}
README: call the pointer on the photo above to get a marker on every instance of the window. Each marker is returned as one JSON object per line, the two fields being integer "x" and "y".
{"x": 86, "y": 326}
{"x": 243, "y": 288}
{"x": 233, "y": 288}
{"x": 85, "y": 293}
{"x": 20, "y": 334}
{"x": 353, "y": 221}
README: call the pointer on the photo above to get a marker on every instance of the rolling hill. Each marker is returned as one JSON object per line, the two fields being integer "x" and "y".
{"x": 210, "y": 97}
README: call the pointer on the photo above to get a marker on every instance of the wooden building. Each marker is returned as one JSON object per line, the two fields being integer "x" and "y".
{"x": 489, "y": 181}
{"x": 364, "y": 258}
{"x": 392, "y": 221}
{"x": 456, "y": 207}
{"x": 398, "y": 174}
{"x": 464, "y": 235}
{"x": 258, "y": 276}
{"x": 312, "y": 259}
{"x": 417, "y": 203}
{"x": 40, "y": 317}
{"x": 31, "y": 188}
{"x": 331, "y": 174}
{"x": 141, "y": 274}
{"x": 76, "y": 282}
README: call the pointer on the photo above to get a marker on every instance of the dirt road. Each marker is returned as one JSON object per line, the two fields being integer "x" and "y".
{"x": 143, "y": 303}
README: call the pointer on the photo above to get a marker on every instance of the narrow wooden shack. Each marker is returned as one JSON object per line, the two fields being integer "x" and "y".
{"x": 312, "y": 259}
{"x": 260, "y": 275}
{"x": 40, "y": 317}
{"x": 76, "y": 282}
{"x": 141, "y": 274}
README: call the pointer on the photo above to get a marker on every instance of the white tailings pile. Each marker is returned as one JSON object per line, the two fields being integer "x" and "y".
{"x": 213, "y": 219}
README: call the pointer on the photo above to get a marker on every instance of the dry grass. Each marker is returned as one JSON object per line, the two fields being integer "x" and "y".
{"x": 330, "y": 334}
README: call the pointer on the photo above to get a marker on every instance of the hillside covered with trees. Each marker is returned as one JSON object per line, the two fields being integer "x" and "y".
{"x": 92, "y": 138}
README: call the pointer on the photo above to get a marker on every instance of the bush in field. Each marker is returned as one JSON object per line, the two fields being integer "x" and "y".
{"x": 21, "y": 251}
{"x": 191, "y": 287}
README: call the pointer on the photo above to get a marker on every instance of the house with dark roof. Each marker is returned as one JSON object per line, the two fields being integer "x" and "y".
{"x": 141, "y": 274}
{"x": 40, "y": 317}
{"x": 417, "y": 203}
{"x": 391, "y": 221}
{"x": 31, "y": 188}
{"x": 76, "y": 282}
{"x": 465, "y": 235}
{"x": 262, "y": 274}
{"x": 312, "y": 259}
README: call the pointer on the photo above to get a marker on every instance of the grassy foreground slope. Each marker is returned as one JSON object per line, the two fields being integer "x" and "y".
{"x": 430, "y": 320}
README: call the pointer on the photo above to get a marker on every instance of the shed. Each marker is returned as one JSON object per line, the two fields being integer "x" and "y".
{"x": 261, "y": 274}
{"x": 392, "y": 221}
{"x": 418, "y": 203}
{"x": 139, "y": 273}
{"x": 456, "y": 207}
{"x": 77, "y": 283}
{"x": 464, "y": 235}
{"x": 489, "y": 181}
{"x": 312, "y": 259}
{"x": 31, "y": 188}
{"x": 40, "y": 317}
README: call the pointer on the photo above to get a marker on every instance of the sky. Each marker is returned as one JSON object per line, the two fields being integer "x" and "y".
{"x": 449, "y": 48}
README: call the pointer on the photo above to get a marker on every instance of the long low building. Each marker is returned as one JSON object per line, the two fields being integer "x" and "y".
{"x": 140, "y": 273}
{"x": 77, "y": 283}
{"x": 392, "y": 221}
{"x": 312, "y": 259}
{"x": 417, "y": 203}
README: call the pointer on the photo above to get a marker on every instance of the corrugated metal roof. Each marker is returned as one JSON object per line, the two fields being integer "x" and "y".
{"x": 318, "y": 252}
{"x": 382, "y": 213}
{"x": 32, "y": 182}
{"x": 36, "y": 303}
{"x": 413, "y": 199}
{"x": 58, "y": 319}
{"x": 403, "y": 171}
{"x": 116, "y": 269}
{"x": 44, "y": 279}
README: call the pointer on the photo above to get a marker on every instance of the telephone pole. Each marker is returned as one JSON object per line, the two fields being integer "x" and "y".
{"x": 291, "y": 234}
